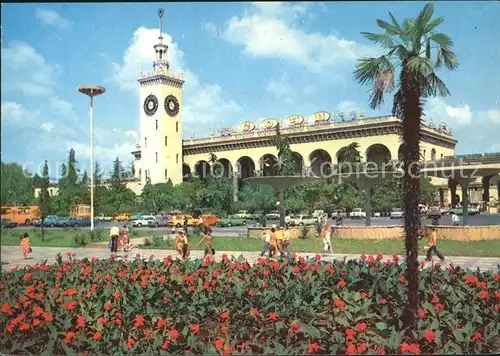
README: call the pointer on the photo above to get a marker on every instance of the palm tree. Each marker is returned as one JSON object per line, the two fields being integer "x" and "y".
{"x": 286, "y": 163}
{"x": 417, "y": 51}
{"x": 350, "y": 154}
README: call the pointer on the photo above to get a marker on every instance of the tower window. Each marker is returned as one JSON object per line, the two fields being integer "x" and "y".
{"x": 145, "y": 142}
{"x": 424, "y": 155}
{"x": 156, "y": 154}
{"x": 166, "y": 173}
{"x": 177, "y": 158}
{"x": 442, "y": 155}
{"x": 166, "y": 141}
{"x": 157, "y": 124}
{"x": 177, "y": 126}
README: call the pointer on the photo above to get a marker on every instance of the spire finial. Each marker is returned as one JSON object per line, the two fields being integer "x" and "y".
{"x": 160, "y": 15}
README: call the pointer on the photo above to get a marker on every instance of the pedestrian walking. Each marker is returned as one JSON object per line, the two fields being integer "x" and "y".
{"x": 455, "y": 219}
{"x": 433, "y": 245}
{"x": 267, "y": 242}
{"x": 114, "y": 235}
{"x": 186, "y": 225}
{"x": 286, "y": 240}
{"x": 25, "y": 245}
{"x": 207, "y": 238}
{"x": 327, "y": 242}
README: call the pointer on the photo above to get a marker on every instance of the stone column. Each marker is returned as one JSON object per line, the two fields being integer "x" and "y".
{"x": 464, "y": 183}
{"x": 282, "y": 206}
{"x": 441, "y": 197}
{"x": 235, "y": 186}
{"x": 452, "y": 184}
{"x": 368, "y": 210}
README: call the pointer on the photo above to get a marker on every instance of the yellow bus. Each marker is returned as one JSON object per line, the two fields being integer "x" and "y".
{"x": 80, "y": 211}
{"x": 22, "y": 215}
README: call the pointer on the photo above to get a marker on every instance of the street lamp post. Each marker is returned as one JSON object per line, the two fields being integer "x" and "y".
{"x": 91, "y": 90}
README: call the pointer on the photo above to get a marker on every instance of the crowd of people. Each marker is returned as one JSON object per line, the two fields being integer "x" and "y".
{"x": 119, "y": 239}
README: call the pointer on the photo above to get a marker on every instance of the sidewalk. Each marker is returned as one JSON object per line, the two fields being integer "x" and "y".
{"x": 11, "y": 256}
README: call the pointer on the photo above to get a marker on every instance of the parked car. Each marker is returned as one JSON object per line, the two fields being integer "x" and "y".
{"x": 273, "y": 215}
{"x": 62, "y": 222}
{"x": 103, "y": 217}
{"x": 51, "y": 221}
{"x": 159, "y": 221}
{"x": 78, "y": 222}
{"x": 357, "y": 213}
{"x": 211, "y": 219}
{"x": 178, "y": 221}
{"x": 340, "y": 212}
{"x": 396, "y": 213}
{"x": 146, "y": 220}
{"x": 460, "y": 211}
{"x": 243, "y": 214}
{"x": 231, "y": 221}
{"x": 256, "y": 215}
{"x": 122, "y": 217}
{"x": 7, "y": 223}
{"x": 301, "y": 220}
{"x": 434, "y": 212}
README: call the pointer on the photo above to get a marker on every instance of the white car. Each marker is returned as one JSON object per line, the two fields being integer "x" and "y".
{"x": 273, "y": 215}
{"x": 301, "y": 220}
{"x": 396, "y": 213}
{"x": 145, "y": 220}
{"x": 243, "y": 214}
{"x": 357, "y": 213}
{"x": 102, "y": 217}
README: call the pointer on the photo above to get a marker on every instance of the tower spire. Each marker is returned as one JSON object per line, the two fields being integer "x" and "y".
{"x": 161, "y": 65}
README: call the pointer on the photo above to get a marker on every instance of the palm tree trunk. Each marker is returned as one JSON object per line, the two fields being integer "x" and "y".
{"x": 411, "y": 126}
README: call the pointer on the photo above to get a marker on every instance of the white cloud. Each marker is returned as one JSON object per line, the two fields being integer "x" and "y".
{"x": 438, "y": 111}
{"x": 493, "y": 115}
{"x": 281, "y": 89}
{"x": 270, "y": 30}
{"x": 347, "y": 106}
{"x": 52, "y": 18}
{"x": 18, "y": 114}
{"x": 25, "y": 70}
{"x": 203, "y": 103}
{"x": 47, "y": 126}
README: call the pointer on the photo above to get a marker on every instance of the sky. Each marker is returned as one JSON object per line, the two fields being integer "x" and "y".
{"x": 241, "y": 61}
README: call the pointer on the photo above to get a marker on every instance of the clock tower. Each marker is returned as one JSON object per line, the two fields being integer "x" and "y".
{"x": 159, "y": 152}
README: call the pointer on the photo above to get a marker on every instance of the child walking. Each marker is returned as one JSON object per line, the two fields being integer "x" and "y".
{"x": 267, "y": 241}
{"x": 327, "y": 242}
{"x": 25, "y": 245}
{"x": 432, "y": 245}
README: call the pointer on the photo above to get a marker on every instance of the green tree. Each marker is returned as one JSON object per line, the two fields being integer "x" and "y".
{"x": 69, "y": 187}
{"x": 16, "y": 185}
{"x": 411, "y": 48}
{"x": 259, "y": 197}
{"x": 119, "y": 198}
{"x": 44, "y": 197}
{"x": 85, "y": 178}
{"x": 286, "y": 164}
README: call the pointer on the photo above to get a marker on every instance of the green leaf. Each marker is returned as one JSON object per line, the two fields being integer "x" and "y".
{"x": 381, "y": 326}
{"x": 342, "y": 321}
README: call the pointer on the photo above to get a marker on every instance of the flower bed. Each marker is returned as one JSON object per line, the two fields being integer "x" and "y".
{"x": 290, "y": 307}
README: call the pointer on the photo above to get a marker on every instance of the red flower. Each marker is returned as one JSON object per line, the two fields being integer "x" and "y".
{"x": 312, "y": 348}
{"x": 36, "y": 322}
{"x": 402, "y": 279}
{"x": 70, "y": 292}
{"x": 295, "y": 327}
{"x": 484, "y": 294}
{"x": 395, "y": 257}
{"x": 6, "y": 309}
{"x": 219, "y": 344}
{"x": 362, "y": 348}
{"x": 24, "y": 327}
{"x": 438, "y": 307}
{"x": 273, "y": 316}
{"x": 195, "y": 328}
{"x": 476, "y": 336}
{"x": 363, "y": 257}
{"x": 80, "y": 322}
{"x": 471, "y": 279}
{"x": 139, "y": 321}
{"x": 341, "y": 283}
{"x": 224, "y": 315}
{"x": 339, "y": 303}
{"x": 70, "y": 305}
{"x": 296, "y": 269}
{"x": 108, "y": 306}
{"x": 37, "y": 310}
{"x": 351, "y": 349}
{"x": 174, "y": 334}
{"x": 97, "y": 336}
{"x": 497, "y": 295}
{"x": 228, "y": 350}
{"x": 435, "y": 299}
{"x": 48, "y": 316}
{"x": 497, "y": 276}
{"x": 224, "y": 329}
{"x": 361, "y": 327}
{"x": 379, "y": 256}
{"x": 255, "y": 312}
{"x": 429, "y": 335}
{"x": 363, "y": 295}
{"x": 264, "y": 284}
{"x": 160, "y": 324}
{"x": 382, "y": 301}
{"x": 117, "y": 294}
{"x": 422, "y": 313}
{"x": 165, "y": 344}
{"x": 349, "y": 334}
{"x": 130, "y": 343}
{"x": 70, "y": 335}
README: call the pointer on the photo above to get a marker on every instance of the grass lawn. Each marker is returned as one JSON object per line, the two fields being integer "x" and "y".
{"x": 65, "y": 238}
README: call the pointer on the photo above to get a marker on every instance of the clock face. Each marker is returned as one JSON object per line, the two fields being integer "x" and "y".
{"x": 171, "y": 105}
{"x": 150, "y": 105}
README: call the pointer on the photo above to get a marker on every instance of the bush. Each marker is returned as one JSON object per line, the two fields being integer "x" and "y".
{"x": 148, "y": 241}
{"x": 81, "y": 238}
{"x": 167, "y": 307}
{"x": 96, "y": 235}
{"x": 196, "y": 231}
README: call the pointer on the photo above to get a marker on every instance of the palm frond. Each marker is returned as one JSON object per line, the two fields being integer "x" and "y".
{"x": 376, "y": 99}
{"x": 432, "y": 85}
{"x": 449, "y": 58}
{"x": 439, "y": 59}
{"x": 369, "y": 69}
{"x": 419, "y": 66}
{"x": 388, "y": 27}
{"x": 381, "y": 38}
{"x": 418, "y": 29}
{"x": 395, "y": 22}
{"x": 433, "y": 24}
{"x": 400, "y": 50}
{"x": 428, "y": 49}
{"x": 442, "y": 39}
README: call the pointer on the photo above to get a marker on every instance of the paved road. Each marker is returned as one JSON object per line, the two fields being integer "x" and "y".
{"x": 486, "y": 219}
{"x": 12, "y": 256}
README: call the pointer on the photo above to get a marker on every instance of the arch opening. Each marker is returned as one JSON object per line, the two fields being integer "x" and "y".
{"x": 202, "y": 169}
{"x": 433, "y": 154}
{"x": 246, "y": 167}
{"x": 378, "y": 153}
{"x": 321, "y": 163}
{"x": 299, "y": 162}
{"x": 222, "y": 168}
{"x": 269, "y": 165}
{"x": 186, "y": 171}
